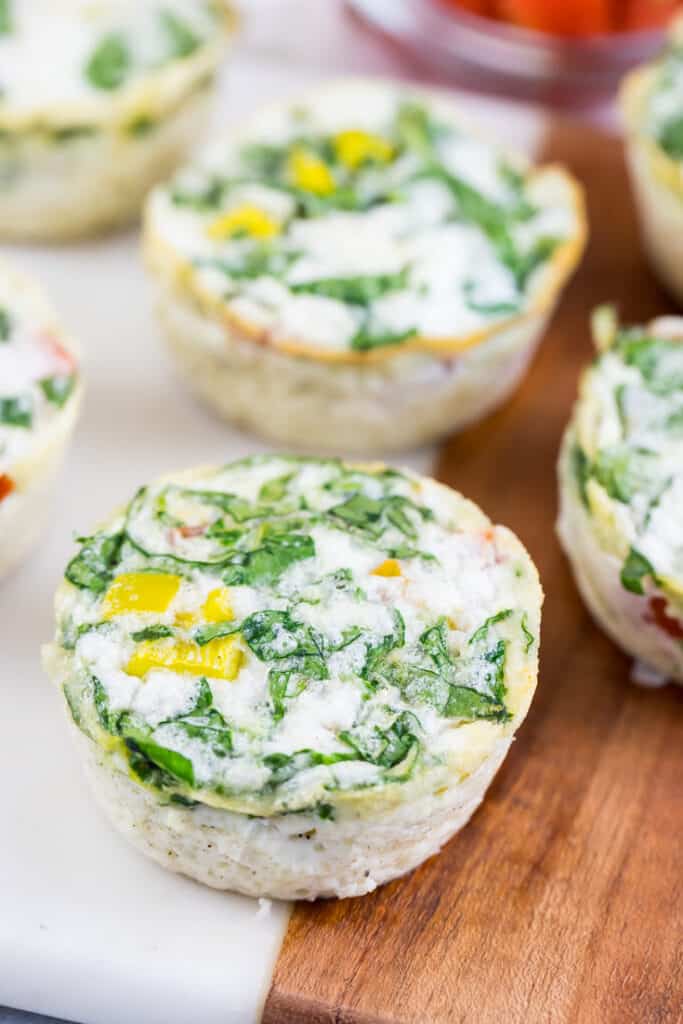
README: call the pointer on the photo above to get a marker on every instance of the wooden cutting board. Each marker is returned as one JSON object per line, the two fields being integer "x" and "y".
{"x": 561, "y": 901}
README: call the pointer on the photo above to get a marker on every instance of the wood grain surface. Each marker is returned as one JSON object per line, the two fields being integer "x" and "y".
{"x": 561, "y": 901}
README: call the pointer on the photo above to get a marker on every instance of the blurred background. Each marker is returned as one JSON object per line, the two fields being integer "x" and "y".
{"x": 564, "y": 53}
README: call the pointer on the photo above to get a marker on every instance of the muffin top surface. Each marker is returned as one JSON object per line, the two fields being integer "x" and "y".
{"x": 365, "y": 218}
{"x": 38, "y": 373}
{"x": 629, "y": 449}
{"x": 80, "y": 55}
{"x": 279, "y": 633}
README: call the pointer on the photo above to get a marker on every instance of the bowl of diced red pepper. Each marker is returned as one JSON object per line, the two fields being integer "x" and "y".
{"x": 565, "y": 48}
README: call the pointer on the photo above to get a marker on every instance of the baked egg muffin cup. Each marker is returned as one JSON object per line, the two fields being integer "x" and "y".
{"x": 293, "y": 677}
{"x": 79, "y": 160}
{"x": 357, "y": 271}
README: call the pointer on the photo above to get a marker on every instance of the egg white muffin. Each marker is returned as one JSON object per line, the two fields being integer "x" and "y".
{"x": 39, "y": 400}
{"x": 621, "y": 489}
{"x": 295, "y": 677}
{"x": 99, "y": 100}
{"x": 652, "y": 109}
{"x": 356, "y": 270}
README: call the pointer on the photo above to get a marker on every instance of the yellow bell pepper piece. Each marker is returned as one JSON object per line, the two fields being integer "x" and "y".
{"x": 389, "y": 567}
{"x": 353, "y": 148}
{"x": 220, "y": 659}
{"x": 310, "y": 173}
{"x": 217, "y": 607}
{"x": 140, "y": 592}
{"x": 243, "y": 220}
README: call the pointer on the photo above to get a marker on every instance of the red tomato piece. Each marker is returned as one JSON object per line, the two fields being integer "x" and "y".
{"x": 566, "y": 18}
{"x": 6, "y": 485}
{"x": 661, "y": 618}
{"x": 647, "y": 13}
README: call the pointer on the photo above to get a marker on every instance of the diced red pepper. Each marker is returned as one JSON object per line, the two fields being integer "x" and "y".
{"x": 67, "y": 363}
{"x": 661, "y": 618}
{"x": 6, "y": 485}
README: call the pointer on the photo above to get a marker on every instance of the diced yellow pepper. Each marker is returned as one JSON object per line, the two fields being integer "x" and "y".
{"x": 243, "y": 220}
{"x": 310, "y": 173}
{"x": 220, "y": 658}
{"x": 140, "y": 592}
{"x": 353, "y": 148}
{"x": 217, "y": 607}
{"x": 186, "y": 619}
{"x": 389, "y": 567}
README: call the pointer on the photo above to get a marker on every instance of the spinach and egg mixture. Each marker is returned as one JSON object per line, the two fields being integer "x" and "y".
{"x": 364, "y": 219}
{"x": 38, "y": 375}
{"x": 627, "y": 456}
{"x": 664, "y": 103}
{"x": 279, "y": 632}
{"x": 58, "y": 59}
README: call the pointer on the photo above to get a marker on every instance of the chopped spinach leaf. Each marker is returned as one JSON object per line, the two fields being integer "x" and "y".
{"x": 58, "y": 389}
{"x": 182, "y": 39}
{"x": 170, "y": 761}
{"x": 482, "y": 632}
{"x": 5, "y": 324}
{"x": 359, "y": 290}
{"x": 581, "y": 468}
{"x": 17, "y": 411}
{"x": 385, "y": 747}
{"x": 364, "y": 340}
{"x": 528, "y": 635}
{"x": 634, "y": 570}
{"x": 157, "y": 632}
{"x": 92, "y": 568}
{"x": 5, "y": 17}
{"x": 109, "y": 65}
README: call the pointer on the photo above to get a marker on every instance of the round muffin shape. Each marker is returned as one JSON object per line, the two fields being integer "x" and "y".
{"x": 295, "y": 677}
{"x": 652, "y": 110}
{"x": 98, "y": 102}
{"x": 40, "y": 395}
{"x": 621, "y": 489}
{"x": 358, "y": 268}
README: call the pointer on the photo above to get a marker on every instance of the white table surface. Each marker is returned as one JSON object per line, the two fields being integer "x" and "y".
{"x": 89, "y": 930}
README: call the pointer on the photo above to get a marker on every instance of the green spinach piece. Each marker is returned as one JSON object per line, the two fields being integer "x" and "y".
{"x": 58, "y": 389}
{"x": 528, "y": 635}
{"x": 5, "y": 17}
{"x": 109, "y": 65}
{"x": 5, "y": 324}
{"x": 634, "y": 570}
{"x": 360, "y": 290}
{"x": 581, "y": 468}
{"x": 182, "y": 40}
{"x": 297, "y": 648}
{"x": 17, "y": 411}
{"x": 658, "y": 360}
{"x": 204, "y": 722}
{"x": 285, "y": 766}
{"x": 670, "y": 138}
{"x": 156, "y": 632}
{"x": 482, "y": 632}
{"x": 385, "y": 747}
{"x": 92, "y": 568}
{"x": 365, "y": 339}
{"x": 277, "y": 550}
{"x": 625, "y": 472}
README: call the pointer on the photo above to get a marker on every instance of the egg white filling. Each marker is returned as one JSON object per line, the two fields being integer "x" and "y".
{"x": 360, "y": 219}
{"x": 291, "y": 628}
{"x": 37, "y": 374}
{"x": 629, "y": 454}
{"x": 81, "y": 55}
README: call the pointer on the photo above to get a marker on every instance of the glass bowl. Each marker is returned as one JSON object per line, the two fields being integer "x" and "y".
{"x": 504, "y": 58}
